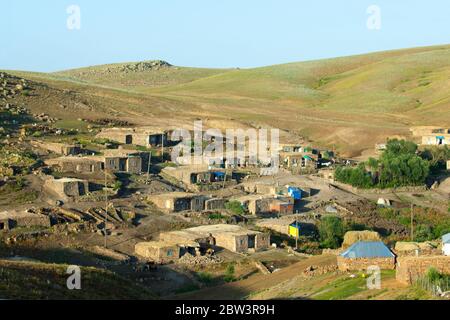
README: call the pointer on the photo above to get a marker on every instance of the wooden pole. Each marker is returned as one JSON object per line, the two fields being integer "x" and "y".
{"x": 412, "y": 222}
{"x": 148, "y": 166}
{"x": 106, "y": 207}
{"x": 296, "y": 235}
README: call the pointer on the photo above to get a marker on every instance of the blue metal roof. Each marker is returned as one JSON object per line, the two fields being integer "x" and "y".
{"x": 446, "y": 238}
{"x": 366, "y": 249}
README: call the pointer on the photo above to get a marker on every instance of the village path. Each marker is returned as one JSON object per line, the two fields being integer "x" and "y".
{"x": 241, "y": 289}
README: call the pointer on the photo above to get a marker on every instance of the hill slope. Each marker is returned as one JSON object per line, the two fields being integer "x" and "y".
{"x": 347, "y": 103}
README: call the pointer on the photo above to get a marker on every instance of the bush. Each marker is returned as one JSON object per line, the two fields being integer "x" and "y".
{"x": 235, "y": 207}
{"x": 205, "y": 277}
{"x": 229, "y": 273}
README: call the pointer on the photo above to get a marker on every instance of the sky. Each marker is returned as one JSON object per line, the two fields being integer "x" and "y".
{"x": 43, "y": 35}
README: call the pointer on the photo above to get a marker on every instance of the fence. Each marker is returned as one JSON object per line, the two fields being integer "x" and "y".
{"x": 436, "y": 287}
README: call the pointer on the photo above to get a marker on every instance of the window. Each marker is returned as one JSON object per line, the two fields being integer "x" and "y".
{"x": 170, "y": 253}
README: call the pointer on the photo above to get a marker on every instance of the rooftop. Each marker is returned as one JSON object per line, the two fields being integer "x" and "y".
{"x": 368, "y": 249}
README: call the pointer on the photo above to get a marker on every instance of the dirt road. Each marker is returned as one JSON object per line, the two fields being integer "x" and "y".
{"x": 241, "y": 289}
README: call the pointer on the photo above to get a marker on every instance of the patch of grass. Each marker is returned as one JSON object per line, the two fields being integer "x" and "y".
{"x": 205, "y": 277}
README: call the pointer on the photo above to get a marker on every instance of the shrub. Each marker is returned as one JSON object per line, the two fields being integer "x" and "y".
{"x": 229, "y": 273}
{"x": 205, "y": 277}
{"x": 235, "y": 207}
{"x": 331, "y": 232}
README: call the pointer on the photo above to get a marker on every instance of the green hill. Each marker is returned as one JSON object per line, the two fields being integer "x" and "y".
{"x": 348, "y": 103}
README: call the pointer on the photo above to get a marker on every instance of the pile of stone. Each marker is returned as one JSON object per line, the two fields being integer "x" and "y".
{"x": 45, "y": 118}
{"x": 191, "y": 260}
{"x": 312, "y": 271}
{"x": 11, "y": 86}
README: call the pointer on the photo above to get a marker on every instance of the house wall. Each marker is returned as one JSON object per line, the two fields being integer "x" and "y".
{"x": 410, "y": 269}
{"x": 134, "y": 165}
{"x": 157, "y": 253}
{"x": 215, "y": 204}
{"x": 77, "y": 165}
{"x": 431, "y": 139}
{"x": 67, "y": 188}
{"x": 358, "y": 264}
{"x": 262, "y": 241}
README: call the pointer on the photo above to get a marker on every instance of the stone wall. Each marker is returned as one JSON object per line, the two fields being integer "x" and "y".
{"x": 215, "y": 204}
{"x": 359, "y": 264}
{"x": 410, "y": 269}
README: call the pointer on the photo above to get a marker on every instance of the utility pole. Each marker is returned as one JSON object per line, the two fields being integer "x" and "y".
{"x": 106, "y": 208}
{"x": 412, "y": 222}
{"x": 162, "y": 148}
{"x": 296, "y": 234}
{"x": 148, "y": 166}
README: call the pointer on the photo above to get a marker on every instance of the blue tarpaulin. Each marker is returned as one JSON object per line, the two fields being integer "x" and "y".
{"x": 295, "y": 193}
{"x": 368, "y": 249}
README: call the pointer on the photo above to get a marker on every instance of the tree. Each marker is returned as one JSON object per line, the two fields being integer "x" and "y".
{"x": 331, "y": 232}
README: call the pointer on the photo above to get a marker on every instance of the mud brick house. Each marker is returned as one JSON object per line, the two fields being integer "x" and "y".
{"x": 364, "y": 254}
{"x": 16, "y": 218}
{"x": 259, "y": 204}
{"x": 231, "y": 237}
{"x": 291, "y": 147}
{"x": 58, "y": 148}
{"x": 142, "y": 136}
{"x": 93, "y": 164}
{"x": 200, "y": 178}
{"x": 67, "y": 187}
{"x": 123, "y": 160}
{"x": 282, "y": 206}
{"x": 158, "y": 251}
{"x": 298, "y": 160}
{"x": 178, "y": 201}
{"x": 432, "y": 135}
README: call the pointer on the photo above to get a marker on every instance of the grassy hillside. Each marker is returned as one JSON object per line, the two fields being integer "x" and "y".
{"x": 31, "y": 280}
{"x": 348, "y": 103}
{"x": 137, "y": 75}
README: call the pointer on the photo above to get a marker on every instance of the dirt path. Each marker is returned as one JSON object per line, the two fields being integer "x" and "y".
{"x": 241, "y": 289}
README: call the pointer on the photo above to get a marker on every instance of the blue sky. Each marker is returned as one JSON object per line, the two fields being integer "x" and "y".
{"x": 210, "y": 33}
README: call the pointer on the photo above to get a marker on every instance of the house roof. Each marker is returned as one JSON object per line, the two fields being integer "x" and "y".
{"x": 368, "y": 249}
{"x": 446, "y": 238}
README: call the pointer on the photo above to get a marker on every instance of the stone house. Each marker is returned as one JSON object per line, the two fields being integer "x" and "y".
{"x": 67, "y": 188}
{"x": 58, "y": 148}
{"x": 178, "y": 201}
{"x": 123, "y": 160}
{"x": 16, "y": 218}
{"x": 364, "y": 254}
{"x": 298, "y": 160}
{"x": 257, "y": 204}
{"x": 142, "y": 136}
{"x": 92, "y": 164}
{"x": 231, "y": 237}
{"x": 158, "y": 251}
{"x": 200, "y": 178}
